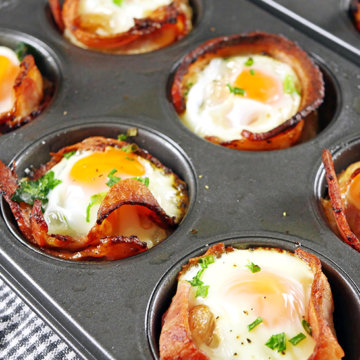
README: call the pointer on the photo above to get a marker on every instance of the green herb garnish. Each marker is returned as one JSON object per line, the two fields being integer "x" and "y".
{"x": 145, "y": 181}
{"x": 278, "y": 342}
{"x": 21, "y": 51}
{"x": 258, "y": 321}
{"x": 289, "y": 85}
{"x": 118, "y": 2}
{"x": 296, "y": 339}
{"x": 130, "y": 159}
{"x": 129, "y": 148}
{"x": 306, "y": 326}
{"x": 29, "y": 191}
{"x": 94, "y": 200}
{"x": 236, "y": 90}
{"x": 187, "y": 88}
{"x": 202, "y": 290}
{"x": 69, "y": 154}
{"x": 252, "y": 72}
{"x": 253, "y": 268}
{"x": 249, "y": 61}
{"x": 122, "y": 137}
{"x": 112, "y": 178}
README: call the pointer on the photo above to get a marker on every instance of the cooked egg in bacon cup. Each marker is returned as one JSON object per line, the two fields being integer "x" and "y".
{"x": 261, "y": 303}
{"x": 247, "y": 92}
{"x": 21, "y": 89}
{"x": 123, "y": 26}
{"x": 101, "y": 198}
{"x": 342, "y": 206}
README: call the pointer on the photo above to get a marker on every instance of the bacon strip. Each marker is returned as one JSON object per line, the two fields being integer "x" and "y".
{"x": 165, "y": 25}
{"x": 277, "y": 47}
{"x": 337, "y": 205}
{"x": 320, "y": 312}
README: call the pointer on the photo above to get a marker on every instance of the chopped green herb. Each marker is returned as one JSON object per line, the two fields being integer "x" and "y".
{"x": 289, "y": 85}
{"x": 129, "y": 148}
{"x": 278, "y": 342}
{"x": 118, "y": 2}
{"x": 29, "y": 191}
{"x": 296, "y": 339}
{"x": 69, "y": 154}
{"x": 252, "y": 72}
{"x": 249, "y": 61}
{"x": 236, "y": 90}
{"x": 258, "y": 321}
{"x": 21, "y": 50}
{"x": 94, "y": 200}
{"x": 112, "y": 178}
{"x": 145, "y": 181}
{"x": 122, "y": 137}
{"x": 187, "y": 88}
{"x": 202, "y": 290}
{"x": 130, "y": 159}
{"x": 253, "y": 268}
{"x": 306, "y": 326}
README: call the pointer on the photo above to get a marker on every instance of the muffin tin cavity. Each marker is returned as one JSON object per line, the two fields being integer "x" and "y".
{"x": 155, "y": 143}
{"x": 345, "y": 293}
{"x": 45, "y": 59}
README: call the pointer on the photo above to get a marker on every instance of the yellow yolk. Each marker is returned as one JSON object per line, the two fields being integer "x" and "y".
{"x": 274, "y": 298}
{"x": 354, "y": 191}
{"x": 93, "y": 170}
{"x": 258, "y": 86}
{"x": 8, "y": 74}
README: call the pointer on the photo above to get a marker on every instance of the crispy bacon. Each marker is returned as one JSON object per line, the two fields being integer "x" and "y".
{"x": 166, "y": 25}
{"x": 338, "y": 210}
{"x": 320, "y": 312}
{"x": 176, "y": 341}
{"x": 355, "y": 12}
{"x": 278, "y": 48}
{"x": 98, "y": 243}
{"x": 30, "y": 98}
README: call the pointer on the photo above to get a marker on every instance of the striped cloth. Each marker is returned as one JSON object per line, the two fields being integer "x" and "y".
{"x": 24, "y": 336}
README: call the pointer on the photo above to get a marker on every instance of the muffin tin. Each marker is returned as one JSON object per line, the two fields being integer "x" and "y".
{"x": 112, "y": 310}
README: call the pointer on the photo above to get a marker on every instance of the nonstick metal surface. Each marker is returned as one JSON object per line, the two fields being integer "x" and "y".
{"x": 112, "y": 310}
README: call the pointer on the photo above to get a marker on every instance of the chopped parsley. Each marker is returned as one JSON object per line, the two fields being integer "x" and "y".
{"x": 69, "y": 154}
{"x": 188, "y": 86}
{"x": 94, "y": 200}
{"x": 122, "y": 137}
{"x": 236, "y": 90}
{"x": 296, "y": 339}
{"x": 145, "y": 181}
{"x": 128, "y": 158}
{"x": 255, "y": 323}
{"x": 202, "y": 290}
{"x": 112, "y": 178}
{"x": 129, "y": 148}
{"x": 289, "y": 85}
{"x": 29, "y": 191}
{"x": 278, "y": 342}
{"x": 118, "y": 2}
{"x": 249, "y": 61}
{"x": 253, "y": 268}
{"x": 306, "y": 326}
{"x": 252, "y": 72}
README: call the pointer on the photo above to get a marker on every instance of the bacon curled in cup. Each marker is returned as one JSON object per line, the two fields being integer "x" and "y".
{"x": 161, "y": 27}
{"x": 343, "y": 207}
{"x": 226, "y": 48}
{"x": 30, "y": 94}
{"x": 187, "y": 327}
{"x": 355, "y": 13}
{"x": 104, "y": 240}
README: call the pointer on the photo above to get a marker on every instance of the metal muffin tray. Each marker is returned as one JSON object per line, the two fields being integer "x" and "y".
{"x": 112, "y": 310}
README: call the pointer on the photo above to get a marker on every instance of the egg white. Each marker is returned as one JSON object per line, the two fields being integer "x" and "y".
{"x": 233, "y": 315}
{"x": 211, "y": 110}
{"x": 7, "y": 103}
{"x": 65, "y": 212}
{"x": 121, "y": 18}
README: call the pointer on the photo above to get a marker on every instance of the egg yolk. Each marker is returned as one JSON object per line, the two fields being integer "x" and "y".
{"x": 8, "y": 74}
{"x": 274, "y": 298}
{"x": 259, "y": 86}
{"x": 93, "y": 170}
{"x": 354, "y": 191}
